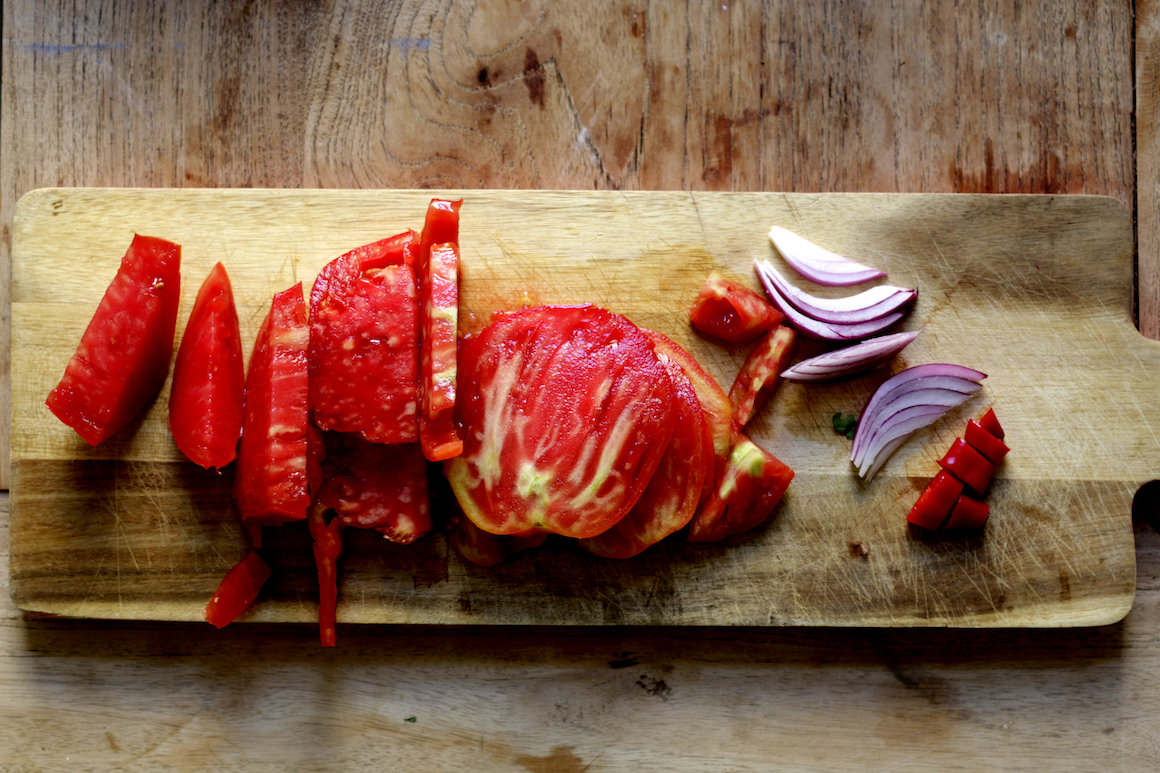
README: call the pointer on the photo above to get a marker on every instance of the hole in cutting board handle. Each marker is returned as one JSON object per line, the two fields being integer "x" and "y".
{"x": 1146, "y": 504}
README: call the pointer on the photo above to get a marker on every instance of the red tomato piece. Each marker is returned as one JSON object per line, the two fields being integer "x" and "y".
{"x": 760, "y": 372}
{"x": 438, "y": 353}
{"x": 990, "y": 422}
{"x": 272, "y": 480}
{"x": 327, "y": 552}
{"x": 123, "y": 356}
{"x": 714, "y": 402}
{"x": 675, "y": 491}
{"x": 732, "y": 312}
{"x": 376, "y": 486}
{"x": 364, "y": 342}
{"x": 985, "y": 443}
{"x": 753, "y": 483}
{"x": 968, "y": 513}
{"x": 566, "y": 413}
{"x": 238, "y": 590}
{"x": 968, "y": 465}
{"x": 934, "y": 504}
{"x": 486, "y": 549}
{"x": 209, "y": 377}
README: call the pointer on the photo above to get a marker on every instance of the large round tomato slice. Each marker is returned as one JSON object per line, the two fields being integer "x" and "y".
{"x": 566, "y": 413}
{"x": 685, "y": 472}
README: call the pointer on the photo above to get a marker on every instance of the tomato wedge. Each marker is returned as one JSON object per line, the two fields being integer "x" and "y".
{"x": 760, "y": 372}
{"x": 438, "y": 353}
{"x": 752, "y": 485}
{"x": 238, "y": 590}
{"x": 732, "y": 312}
{"x": 123, "y": 356}
{"x": 566, "y": 413}
{"x": 364, "y": 342}
{"x": 675, "y": 490}
{"x": 209, "y": 377}
{"x": 272, "y": 482}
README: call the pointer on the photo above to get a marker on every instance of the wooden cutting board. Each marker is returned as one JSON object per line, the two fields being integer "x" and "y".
{"x": 1034, "y": 290}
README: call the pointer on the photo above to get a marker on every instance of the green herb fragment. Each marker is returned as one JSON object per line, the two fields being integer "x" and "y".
{"x": 411, "y": 719}
{"x": 845, "y": 425}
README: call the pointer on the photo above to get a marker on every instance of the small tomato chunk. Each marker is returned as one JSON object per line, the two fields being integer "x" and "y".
{"x": 732, "y": 312}
{"x": 760, "y": 373}
{"x": 238, "y": 590}
{"x": 934, "y": 504}
{"x": 751, "y": 486}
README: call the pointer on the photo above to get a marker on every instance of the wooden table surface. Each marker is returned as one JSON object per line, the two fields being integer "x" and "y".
{"x": 943, "y": 96}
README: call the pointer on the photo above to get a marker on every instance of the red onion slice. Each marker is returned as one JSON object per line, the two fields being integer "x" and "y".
{"x": 849, "y": 361}
{"x": 828, "y": 331}
{"x": 818, "y": 264}
{"x": 906, "y": 402}
{"x": 867, "y": 305}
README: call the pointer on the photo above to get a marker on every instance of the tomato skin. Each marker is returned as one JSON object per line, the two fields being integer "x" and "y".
{"x": 760, "y": 373}
{"x": 566, "y": 412}
{"x": 364, "y": 342}
{"x": 934, "y": 504}
{"x": 732, "y": 312}
{"x": 272, "y": 478}
{"x": 209, "y": 377}
{"x": 237, "y": 590}
{"x": 752, "y": 485}
{"x": 676, "y": 488}
{"x": 123, "y": 356}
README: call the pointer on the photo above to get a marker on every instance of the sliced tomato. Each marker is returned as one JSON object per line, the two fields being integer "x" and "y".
{"x": 566, "y": 413}
{"x": 364, "y": 342}
{"x": 714, "y": 402}
{"x": 376, "y": 486}
{"x": 272, "y": 479}
{"x": 486, "y": 549}
{"x": 675, "y": 490}
{"x": 759, "y": 373}
{"x": 438, "y": 353}
{"x": 209, "y": 377}
{"x": 123, "y": 356}
{"x": 732, "y": 312}
{"x": 752, "y": 485}
{"x": 238, "y": 590}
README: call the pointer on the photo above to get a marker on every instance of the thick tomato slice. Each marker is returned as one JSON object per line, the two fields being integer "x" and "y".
{"x": 376, "y": 486}
{"x": 209, "y": 377}
{"x": 751, "y": 487}
{"x": 675, "y": 490}
{"x": 760, "y": 372}
{"x": 732, "y": 312}
{"x": 364, "y": 360}
{"x": 566, "y": 413}
{"x": 272, "y": 481}
{"x": 438, "y": 353}
{"x": 123, "y": 356}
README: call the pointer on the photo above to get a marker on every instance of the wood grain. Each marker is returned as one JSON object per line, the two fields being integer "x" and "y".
{"x": 1011, "y": 285}
{"x": 785, "y": 95}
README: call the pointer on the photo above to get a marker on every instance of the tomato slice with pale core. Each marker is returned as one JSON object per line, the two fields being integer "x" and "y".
{"x": 438, "y": 354}
{"x": 209, "y": 377}
{"x": 272, "y": 481}
{"x": 761, "y": 371}
{"x": 566, "y": 412}
{"x": 753, "y": 483}
{"x": 123, "y": 356}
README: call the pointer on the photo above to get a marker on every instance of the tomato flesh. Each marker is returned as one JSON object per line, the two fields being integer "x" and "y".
{"x": 752, "y": 485}
{"x": 123, "y": 356}
{"x": 566, "y": 413}
{"x": 272, "y": 483}
{"x": 364, "y": 342}
{"x": 760, "y": 373}
{"x": 732, "y": 312}
{"x": 438, "y": 358}
{"x": 209, "y": 377}
{"x": 237, "y": 590}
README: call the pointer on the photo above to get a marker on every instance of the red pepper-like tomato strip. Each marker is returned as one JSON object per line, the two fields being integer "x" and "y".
{"x": 209, "y": 377}
{"x": 968, "y": 513}
{"x": 272, "y": 478}
{"x": 732, "y": 312}
{"x": 968, "y": 465}
{"x": 123, "y": 355}
{"x": 985, "y": 443}
{"x": 237, "y": 590}
{"x": 990, "y": 422}
{"x": 327, "y": 551}
{"x": 935, "y": 502}
{"x": 364, "y": 356}
{"x": 760, "y": 372}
